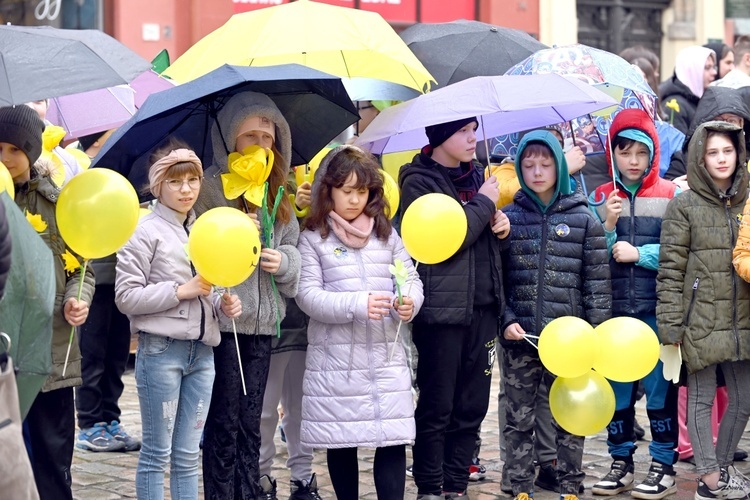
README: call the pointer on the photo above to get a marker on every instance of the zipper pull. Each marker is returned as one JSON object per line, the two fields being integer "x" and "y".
{"x": 695, "y": 283}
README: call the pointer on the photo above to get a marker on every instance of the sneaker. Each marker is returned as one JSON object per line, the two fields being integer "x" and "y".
{"x": 703, "y": 492}
{"x": 568, "y": 496}
{"x": 735, "y": 485}
{"x": 658, "y": 484}
{"x": 409, "y": 471}
{"x": 477, "y": 471}
{"x": 304, "y": 490}
{"x": 524, "y": 496}
{"x": 619, "y": 479}
{"x": 425, "y": 496}
{"x": 98, "y": 439}
{"x": 739, "y": 455}
{"x": 267, "y": 487}
{"x": 117, "y": 432}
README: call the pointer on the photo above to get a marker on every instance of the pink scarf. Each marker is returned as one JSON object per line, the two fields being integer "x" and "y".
{"x": 354, "y": 234}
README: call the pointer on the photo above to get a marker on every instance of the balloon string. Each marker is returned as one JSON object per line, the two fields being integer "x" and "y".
{"x": 400, "y": 322}
{"x": 530, "y": 342}
{"x": 239, "y": 357}
{"x": 73, "y": 328}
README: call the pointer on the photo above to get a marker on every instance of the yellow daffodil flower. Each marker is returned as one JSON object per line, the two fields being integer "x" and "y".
{"x": 247, "y": 174}
{"x": 673, "y": 105}
{"x": 36, "y": 222}
{"x": 71, "y": 263}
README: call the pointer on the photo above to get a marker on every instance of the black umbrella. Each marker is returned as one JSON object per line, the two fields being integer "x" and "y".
{"x": 458, "y": 50}
{"x": 315, "y": 104}
{"x": 42, "y": 62}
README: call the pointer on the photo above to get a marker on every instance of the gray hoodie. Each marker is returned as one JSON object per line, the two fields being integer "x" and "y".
{"x": 259, "y": 301}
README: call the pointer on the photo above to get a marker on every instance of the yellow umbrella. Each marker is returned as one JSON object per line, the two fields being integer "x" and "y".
{"x": 356, "y": 45}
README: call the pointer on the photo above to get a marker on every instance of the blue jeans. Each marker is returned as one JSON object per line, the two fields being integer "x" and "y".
{"x": 174, "y": 380}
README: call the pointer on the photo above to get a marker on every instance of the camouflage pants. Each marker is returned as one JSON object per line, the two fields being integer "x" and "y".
{"x": 523, "y": 374}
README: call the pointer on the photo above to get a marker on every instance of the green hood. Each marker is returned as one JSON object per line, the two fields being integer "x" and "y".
{"x": 698, "y": 178}
{"x": 548, "y": 139}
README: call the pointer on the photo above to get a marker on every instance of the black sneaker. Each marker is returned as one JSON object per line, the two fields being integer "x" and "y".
{"x": 703, "y": 492}
{"x": 619, "y": 479}
{"x": 267, "y": 487}
{"x": 658, "y": 484}
{"x": 739, "y": 455}
{"x": 546, "y": 479}
{"x": 304, "y": 490}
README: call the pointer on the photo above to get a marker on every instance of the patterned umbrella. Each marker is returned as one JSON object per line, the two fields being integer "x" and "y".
{"x": 608, "y": 72}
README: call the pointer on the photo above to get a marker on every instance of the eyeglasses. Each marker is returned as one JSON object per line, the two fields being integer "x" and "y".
{"x": 176, "y": 184}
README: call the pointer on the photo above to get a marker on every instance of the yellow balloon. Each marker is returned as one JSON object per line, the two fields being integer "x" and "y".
{"x": 629, "y": 349}
{"x": 306, "y": 173}
{"x": 6, "y": 182}
{"x": 433, "y": 228}
{"x": 392, "y": 162}
{"x": 582, "y": 405}
{"x": 392, "y": 194}
{"x": 568, "y": 346}
{"x": 97, "y": 212}
{"x": 224, "y": 245}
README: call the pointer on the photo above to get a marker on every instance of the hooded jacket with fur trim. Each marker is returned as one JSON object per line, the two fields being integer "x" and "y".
{"x": 259, "y": 302}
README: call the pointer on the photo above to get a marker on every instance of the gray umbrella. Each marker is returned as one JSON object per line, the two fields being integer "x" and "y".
{"x": 458, "y": 50}
{"x": 42, "y": 62}
{"x": 26, "y": 307}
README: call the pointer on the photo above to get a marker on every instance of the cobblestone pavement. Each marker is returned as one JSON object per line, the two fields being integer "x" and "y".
{"x": 109, "y": 476}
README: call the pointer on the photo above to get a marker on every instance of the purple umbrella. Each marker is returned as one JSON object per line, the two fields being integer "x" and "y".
{"x": 103, "y": 109}
{"x": 91, "y": 112}
{"x": 503, "y": 104}
{"x": 148, "y": 83}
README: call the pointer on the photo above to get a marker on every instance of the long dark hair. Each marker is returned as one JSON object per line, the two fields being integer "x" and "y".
{"x": 347, "y": 162}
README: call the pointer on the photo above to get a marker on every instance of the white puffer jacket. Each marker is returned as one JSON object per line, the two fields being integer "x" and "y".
{"x": 352, "y": 395}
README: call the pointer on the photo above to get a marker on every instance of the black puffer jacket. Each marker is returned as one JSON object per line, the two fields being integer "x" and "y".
{"x": 449, "y": 285}
{"x": 687, "y": 101}
{"x": 557, "y": 263}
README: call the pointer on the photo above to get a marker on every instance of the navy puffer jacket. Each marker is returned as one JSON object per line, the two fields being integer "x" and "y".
{"x": 557, "y": 263}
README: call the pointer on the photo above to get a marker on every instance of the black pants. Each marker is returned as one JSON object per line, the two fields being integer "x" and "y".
{"x": 454, "y": 376}
{"x": 389, "y": 469}
{"x": 231, "y": 441}
{"x": 50, "y": 434}
{"x": 105, "y": 347}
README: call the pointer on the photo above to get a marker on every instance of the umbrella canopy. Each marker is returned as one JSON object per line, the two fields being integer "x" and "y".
{"x": 103, "y": 109}
{"x": 458, "y": 50}
{"x": 147, "y": 83}
{"x": 26, "y": 308}
{"x": 93, "y": 111}
{"x": 315, "y": 105}
{"x": 503, "y": 104}
{"x": 610, "y": 72}
{"x": 42, "y": 62}
{"x": 356, "y": 45}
